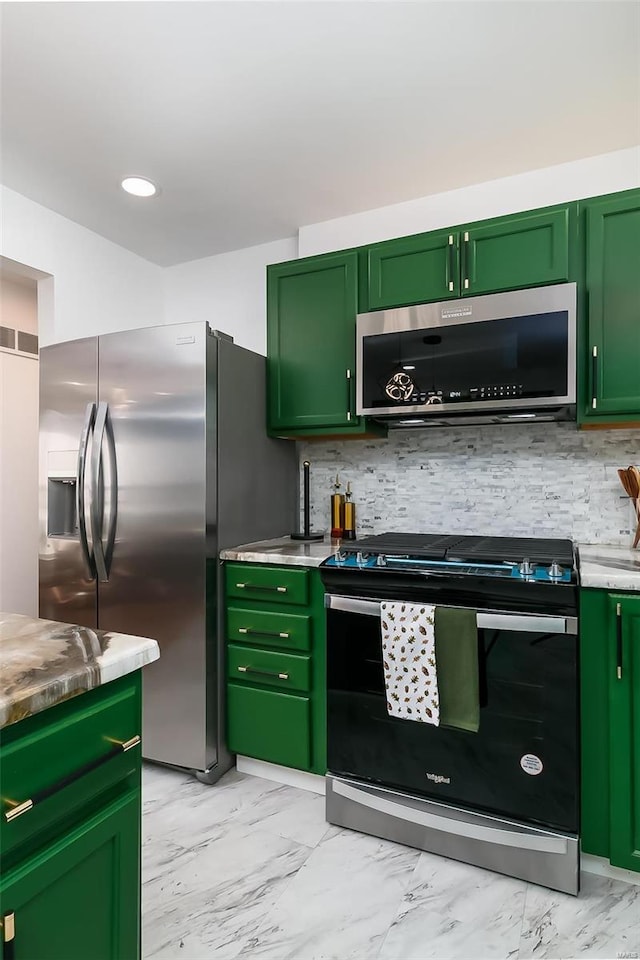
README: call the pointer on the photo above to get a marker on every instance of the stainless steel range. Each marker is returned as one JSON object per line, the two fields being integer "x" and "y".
{"x": 506, "y": 796}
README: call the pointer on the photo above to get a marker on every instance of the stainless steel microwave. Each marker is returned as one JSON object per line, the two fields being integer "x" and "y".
{"x": 505, "y": 357}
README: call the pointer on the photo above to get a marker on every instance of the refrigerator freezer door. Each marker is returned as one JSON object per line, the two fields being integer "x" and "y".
{"x": 68, "y": 393}
{"x": 153, "y": 381}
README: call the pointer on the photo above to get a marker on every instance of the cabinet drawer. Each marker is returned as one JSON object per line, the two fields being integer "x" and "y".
{"x": 59, "y": 757}
{"x": 275, "y": 584}
{"x": 269, "y": 726}
{"x": 268, "y": 628}
{"x": 287, "y": 670}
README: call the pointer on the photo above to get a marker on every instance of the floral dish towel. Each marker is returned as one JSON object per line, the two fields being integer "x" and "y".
{"x": 409, "y": 658}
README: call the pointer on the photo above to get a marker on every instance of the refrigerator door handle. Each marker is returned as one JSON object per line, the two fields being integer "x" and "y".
{"x": 103, "y": 555}
{"x": 87, "y": 426}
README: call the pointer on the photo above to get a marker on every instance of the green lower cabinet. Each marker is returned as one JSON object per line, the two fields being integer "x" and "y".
{"x": 610, "y": 726}
{"x": 611, "y": 360}
{"x": 276, "y": 695}
{"x": 75, "y": 900}
{"x": 269, "y": 726}
{"x": 624, "y": 731}
{"x": 70, "y": 827}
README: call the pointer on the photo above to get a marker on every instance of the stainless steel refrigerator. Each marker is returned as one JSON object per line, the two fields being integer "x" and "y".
{"x": 153, "y": 458}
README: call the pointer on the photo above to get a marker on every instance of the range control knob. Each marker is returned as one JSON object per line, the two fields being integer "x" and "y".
{"x": 360, "y": 559}
{"x": 381, "y": 560}
{"x": 340, "y": 556}
{"x": 555, "y": 571}
{"x": 525, "y": 568}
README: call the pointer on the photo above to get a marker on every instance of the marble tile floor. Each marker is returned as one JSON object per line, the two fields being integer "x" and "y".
{"x": 249, "y": 868}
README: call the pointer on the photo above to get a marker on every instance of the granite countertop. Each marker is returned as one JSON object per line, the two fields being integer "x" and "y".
{"x": 610, "y": 568}
{"x": 283, "y": 550}
{"x": 43, "y": 662}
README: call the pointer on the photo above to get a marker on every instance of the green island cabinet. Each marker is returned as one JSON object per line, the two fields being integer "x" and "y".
{"x": 506, "y": 253}
{"x": 610, "y": 722}
{"x": 276, "y": 664}
{"x": 611, "y": 293}
{"x": 70, "y": 882}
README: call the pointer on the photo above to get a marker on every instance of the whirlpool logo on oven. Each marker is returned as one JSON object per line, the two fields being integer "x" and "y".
{"x": 438, "y": 778}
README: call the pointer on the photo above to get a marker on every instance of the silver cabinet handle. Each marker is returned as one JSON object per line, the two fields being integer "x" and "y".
{"x": 465, "y": 261}
{"x": 348, "y": 395}
{"x": 594, "y": 378}
{"x": 89, "y": 420}
{"x": 263, "y": 673}
{"x": 262, "y": 633}
{"x": 451, "y": 259}
{"x": 257, "y": 586}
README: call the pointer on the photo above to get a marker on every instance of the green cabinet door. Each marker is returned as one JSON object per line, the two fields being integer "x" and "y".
{"x": 612, "y": 367}
{"x": 78, "y": 899}
{"x": 624, "y": 727}
{"x": 311, "y": 322}
{"x": 523, "y": 250}
{"x": 413, "y": 270}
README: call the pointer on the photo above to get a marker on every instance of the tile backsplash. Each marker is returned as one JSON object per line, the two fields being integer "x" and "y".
{"x": 543, "y": 480}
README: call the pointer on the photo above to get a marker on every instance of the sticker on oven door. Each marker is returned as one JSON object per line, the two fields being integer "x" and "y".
{"x": 531, "y": 764}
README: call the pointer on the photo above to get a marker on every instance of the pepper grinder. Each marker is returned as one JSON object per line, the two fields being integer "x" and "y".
{"x": 349, "y": 515}
{"x": 337, "y": 510}
{"x": 306, "y": 532}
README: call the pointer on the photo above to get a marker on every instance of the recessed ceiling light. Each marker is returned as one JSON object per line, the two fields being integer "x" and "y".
{"x": 408, "y": 366}
{"x": 139, "y": 186}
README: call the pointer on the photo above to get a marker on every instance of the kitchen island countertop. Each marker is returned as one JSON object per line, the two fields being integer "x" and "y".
{"x": 609, "y": 567}
{"x": 283, "y": 550}
{"x": 43, "y": 662}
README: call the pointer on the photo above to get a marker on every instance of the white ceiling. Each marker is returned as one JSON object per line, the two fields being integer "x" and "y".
{"x": 259, "y": 117}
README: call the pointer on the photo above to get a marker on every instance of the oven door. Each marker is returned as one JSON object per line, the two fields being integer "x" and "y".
{"x": 523, "y": 761}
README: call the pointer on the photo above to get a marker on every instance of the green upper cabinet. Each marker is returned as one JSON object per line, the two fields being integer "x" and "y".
{"x": 522, "y": 250}
{"x": 311, "y": 323}
{"x": 624, "y": 730}
{"x": 612, "y": 369}
{"x": 413, "y": 270}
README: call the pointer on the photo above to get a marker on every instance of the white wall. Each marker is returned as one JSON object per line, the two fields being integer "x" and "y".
{"x": 97, "y": 286}
{"x": 18, "y": 455}
{"x": 228, "y": 290}
{"x": 18, "y": 305}
{"x": 607, "y": 173}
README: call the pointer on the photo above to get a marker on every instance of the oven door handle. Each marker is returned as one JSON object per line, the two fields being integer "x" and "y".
{"x": 489, "y": 620}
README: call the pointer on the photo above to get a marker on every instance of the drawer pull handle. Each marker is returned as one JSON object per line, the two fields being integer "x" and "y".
{"x": 23, "y": 806}
{"x": 262, "y": 633}
{"x": 258, "y": 586}
{"x": 264, "y": 673}
{"x": 126, "y": 744}
{"x": 8, "y": 924}
{"x": 18, "y": 810}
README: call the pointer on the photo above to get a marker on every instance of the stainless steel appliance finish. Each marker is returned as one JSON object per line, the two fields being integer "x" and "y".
{"x": 516, "y": 849}
{"x": 471, "y": 310}
{"x": 168, "y": 435}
